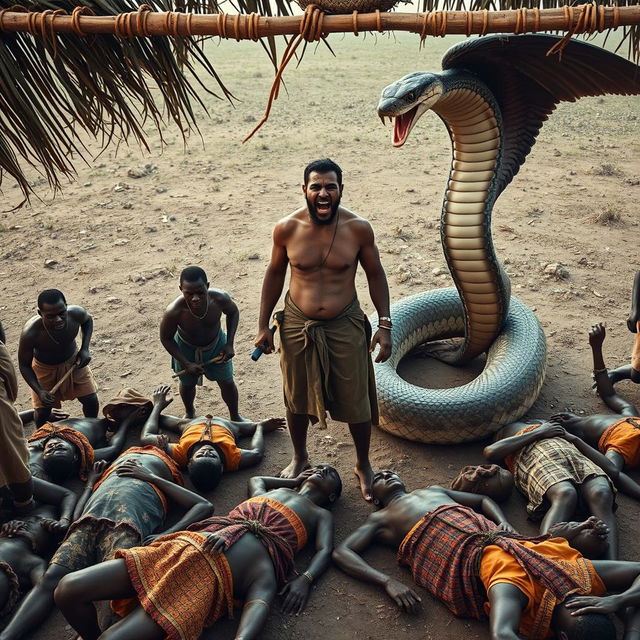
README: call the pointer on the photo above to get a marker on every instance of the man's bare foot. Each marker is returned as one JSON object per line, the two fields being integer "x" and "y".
{"x": 238, "y": 418}
{"x": 589, "y": 537}
{"x": 365, "y": 477}
{"x": 295, "y": 467}
{"x": 273, "y": 424}
{"x": 190, "y": 415}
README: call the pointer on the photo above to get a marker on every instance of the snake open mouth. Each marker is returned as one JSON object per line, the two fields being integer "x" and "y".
{"x": 403, "y": 125}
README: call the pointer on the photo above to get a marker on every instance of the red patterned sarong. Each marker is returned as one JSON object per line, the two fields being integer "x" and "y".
{"x": 182, "y": 588}
{"x": 444, "y": 551}
{"x": 79, "y": 440}
{"x": 277, "y": 526}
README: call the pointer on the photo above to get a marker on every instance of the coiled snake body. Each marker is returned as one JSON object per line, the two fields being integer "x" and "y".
{"x": 493, "y": 95}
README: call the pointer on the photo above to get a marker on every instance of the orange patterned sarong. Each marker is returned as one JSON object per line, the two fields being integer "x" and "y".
{"x": 182, "y": 588}
{"x": 623, "y": 436}
{"x": 497, "y": 566}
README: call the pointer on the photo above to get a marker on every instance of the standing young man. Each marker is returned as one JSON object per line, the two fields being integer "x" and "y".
{"x": 48, "y": 350}
{"x": 191, "y": 332}
{"x": 325, "y": 336}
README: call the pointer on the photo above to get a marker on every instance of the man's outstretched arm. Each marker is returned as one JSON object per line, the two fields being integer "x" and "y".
{"x": 296, "y": 592}
{"x": 259, "y": 485}
{"x": 604, "y": 386}
{"x": 348, "y": 557}
{"x": 253, "y": 456}
{"x": 506, "y": 447}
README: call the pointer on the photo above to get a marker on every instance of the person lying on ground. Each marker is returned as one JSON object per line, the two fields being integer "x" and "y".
{"x": 59, "y": 450}
{"x": 122, "y": 509}
{"x": 24, "y": 543}
{"x": 477, "y": 565}
{"x": 618, "y": 438}
{"x": 182, "y": 583}
{"x": 560, "y": 474}
{"x": 208, "y": 446}
{"x": 629, "y": 371}
{"x": 48, "y": 351}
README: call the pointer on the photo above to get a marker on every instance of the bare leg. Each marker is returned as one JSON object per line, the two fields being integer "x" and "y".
{"x": 564, "y": 500}
{"x": 298, "y": 424}
{"x": 507, "y": 604}
{"x": 616, "y": 458}
{"x": 188, "y": 395}
{"x": 361, "y": 434}
{"x": 229, "y": 393}
{"x": 138, "y": 625}
{"x": 599, "y": 498}
{"x": 77, "y": 591}
{"x": 90, "y": 405}
{"x": 41, "y": 415}
{"x": 36, "y": 606}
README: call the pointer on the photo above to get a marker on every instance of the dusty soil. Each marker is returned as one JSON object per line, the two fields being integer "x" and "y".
{"x": 119, "y": 244}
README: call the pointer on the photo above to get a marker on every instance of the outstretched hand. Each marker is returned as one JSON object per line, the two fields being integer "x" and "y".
{"x": 295, "y": 594}
{"x": 162, "y": 396}
{"x": 405, "y": 597}
{"x": 597, "y": 334}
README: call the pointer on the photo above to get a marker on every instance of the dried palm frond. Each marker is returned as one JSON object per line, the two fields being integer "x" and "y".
{"x": 55, "y": 85}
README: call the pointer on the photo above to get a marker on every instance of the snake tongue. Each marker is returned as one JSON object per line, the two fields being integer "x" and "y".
{"x": 402, "y": 126}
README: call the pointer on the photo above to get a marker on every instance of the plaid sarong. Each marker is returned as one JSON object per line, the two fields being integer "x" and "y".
{"x": 277, "y": 526}
{"x": 444, "y": 550}
{"x": 546, "y": 462}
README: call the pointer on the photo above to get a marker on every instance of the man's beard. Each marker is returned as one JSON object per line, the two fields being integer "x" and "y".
{"x": 311, "y": 208}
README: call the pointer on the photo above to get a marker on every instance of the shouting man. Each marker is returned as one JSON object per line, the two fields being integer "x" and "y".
{"x": 47, "y": 352}
{"x": 191, "y": 332}
{"x": 325, "y": 336}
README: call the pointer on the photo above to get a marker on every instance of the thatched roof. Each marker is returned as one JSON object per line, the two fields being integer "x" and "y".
{"x": 55, "y": 85}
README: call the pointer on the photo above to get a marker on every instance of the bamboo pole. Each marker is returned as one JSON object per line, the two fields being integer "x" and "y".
{"x": 578, "y": 19}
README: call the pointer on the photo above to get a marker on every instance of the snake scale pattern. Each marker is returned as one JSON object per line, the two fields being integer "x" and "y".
{"x": 493, "y": 95}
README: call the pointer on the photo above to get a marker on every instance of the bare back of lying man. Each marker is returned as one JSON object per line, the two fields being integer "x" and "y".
{"x": 443, "y": 541}
{"x": 48, "y": 350}
{"x": 208, "y": 446}
{"x": 278, "y": 519}
{"x": 191, "y": 332}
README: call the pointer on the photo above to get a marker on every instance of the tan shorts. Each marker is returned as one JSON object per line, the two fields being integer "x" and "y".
{"x": 79, "y": 384}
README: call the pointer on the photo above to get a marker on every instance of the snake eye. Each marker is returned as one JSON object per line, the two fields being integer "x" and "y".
{"x": 411, "y": 96}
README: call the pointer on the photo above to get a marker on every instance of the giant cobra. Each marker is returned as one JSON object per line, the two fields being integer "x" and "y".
{"x": 493, "y": 95}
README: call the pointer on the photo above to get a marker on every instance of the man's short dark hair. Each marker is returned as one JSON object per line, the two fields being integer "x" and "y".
{"x": 205, "y": 473}
{"x": 322, "y": 166}
{"x": 50, "y": 296}
{"x": 193, "y": 274}
{"x": 592, "y": 625}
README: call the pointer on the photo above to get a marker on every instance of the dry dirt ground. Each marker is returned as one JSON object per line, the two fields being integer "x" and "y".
{"x": 119, "y": 243}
